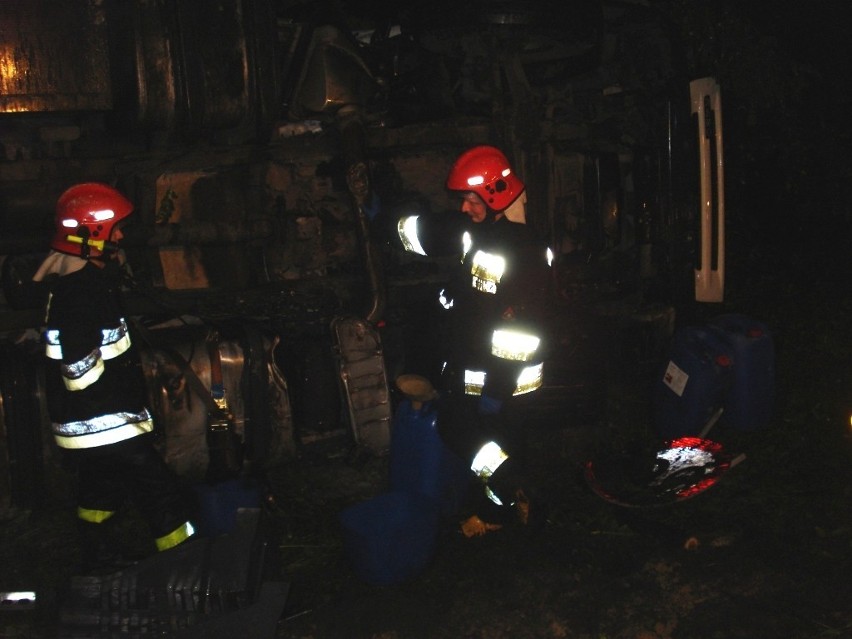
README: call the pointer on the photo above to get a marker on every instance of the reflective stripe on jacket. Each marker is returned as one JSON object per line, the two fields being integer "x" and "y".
{"x": 82, "y": 373}
{"x": 103, "y": 429}
{"x": 96, "y": 392}
{"x": 497, "y": 300}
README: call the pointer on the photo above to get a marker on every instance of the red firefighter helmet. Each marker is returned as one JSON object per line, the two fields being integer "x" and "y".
{"x": 486, "y": 171}
{"x": 87, "y": 212}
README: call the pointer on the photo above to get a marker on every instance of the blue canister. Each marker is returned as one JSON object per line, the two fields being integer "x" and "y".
{"x": 749, "y": 402}
{"x": 390, "y": 538}
{"x": 419, "y": 460}
{"x": 218, "y": 504}
{"x": 694, "y": 383}
{"x": 416, "y": 449}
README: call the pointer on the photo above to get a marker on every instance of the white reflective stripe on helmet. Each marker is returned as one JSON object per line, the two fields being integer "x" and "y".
{"x": 487, "y": 269}
{"x": 514, "y": 345}
{"x": 407, "y": 230}
{"x": 83, "y": 373}
{"x": 529, "y": 379}
{"x": 549, "y": 256}
{"x": 103, "y": 430}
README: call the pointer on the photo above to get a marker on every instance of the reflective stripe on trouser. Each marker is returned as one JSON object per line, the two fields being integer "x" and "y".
{"x": 174, "y": 538}
{"x": 94, "y": 516}
{"x": 487, "y": 460}
{"x": 177, "y": 536}
{"x": 133, "y": 472}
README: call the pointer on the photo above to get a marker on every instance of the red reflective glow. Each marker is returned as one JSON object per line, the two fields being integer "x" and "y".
{"x": 684, "y": 468}
{"x": 696, "y": 442}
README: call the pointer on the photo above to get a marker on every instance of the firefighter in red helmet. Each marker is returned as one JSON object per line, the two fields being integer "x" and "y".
{"x": 95, "y": 390}
{"x": 495, "y": 304}
{"x": 484, "y": 171}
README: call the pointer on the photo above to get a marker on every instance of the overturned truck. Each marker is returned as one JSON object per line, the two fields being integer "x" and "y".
{"x": 253, "y": 136}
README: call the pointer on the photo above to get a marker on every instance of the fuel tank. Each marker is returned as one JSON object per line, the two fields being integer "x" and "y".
{"x": 255, "y": 393}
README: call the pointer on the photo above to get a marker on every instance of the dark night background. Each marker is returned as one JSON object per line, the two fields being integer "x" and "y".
{"x": 767, "y": 553}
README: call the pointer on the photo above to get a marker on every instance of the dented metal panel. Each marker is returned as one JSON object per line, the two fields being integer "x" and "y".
{"x": 362, "y": 370}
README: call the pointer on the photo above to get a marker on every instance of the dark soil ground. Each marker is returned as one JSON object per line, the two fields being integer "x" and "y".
{"x": 765, "y": 553}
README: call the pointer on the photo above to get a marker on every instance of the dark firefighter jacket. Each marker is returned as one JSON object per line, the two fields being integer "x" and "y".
{"x": 95, "y": 385}
{"x": 497, "y": 300}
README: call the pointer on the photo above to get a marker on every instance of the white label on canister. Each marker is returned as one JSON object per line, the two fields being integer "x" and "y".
{"x": 675, "y": 378}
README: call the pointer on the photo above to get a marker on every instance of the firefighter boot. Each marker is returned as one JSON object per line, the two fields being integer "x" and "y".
{"x": 514, "y": 488}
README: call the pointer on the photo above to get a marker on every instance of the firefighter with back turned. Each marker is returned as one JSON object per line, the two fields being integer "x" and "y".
{"x": 95, "y": 387}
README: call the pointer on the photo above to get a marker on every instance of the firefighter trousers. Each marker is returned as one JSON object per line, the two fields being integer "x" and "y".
{"x": 130, "y": 472}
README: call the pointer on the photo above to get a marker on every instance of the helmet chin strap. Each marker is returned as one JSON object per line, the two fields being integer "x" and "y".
{"x": 85, "y": 244}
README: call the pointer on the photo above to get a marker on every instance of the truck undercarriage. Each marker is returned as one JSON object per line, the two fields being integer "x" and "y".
{"x": 253, "y": 136}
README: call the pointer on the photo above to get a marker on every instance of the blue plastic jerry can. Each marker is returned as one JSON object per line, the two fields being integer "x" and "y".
{"x": 419, "y": 460}
{"x": 694, "y": 383}
{"x": 416, "y": 448}
{"x": 750, "y": 399}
